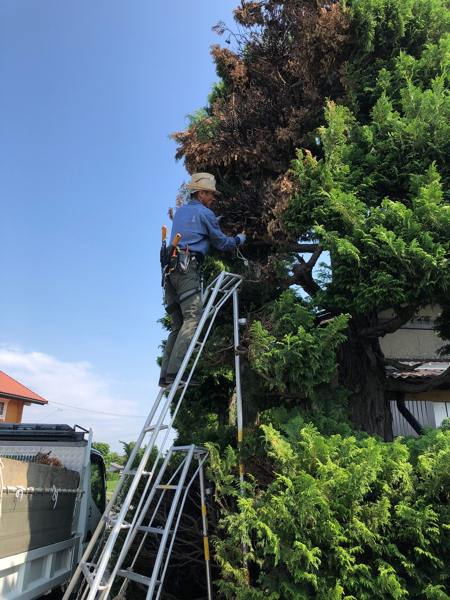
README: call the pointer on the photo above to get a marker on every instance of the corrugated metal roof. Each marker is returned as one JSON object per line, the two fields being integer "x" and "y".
{"x": 427, "y": 370}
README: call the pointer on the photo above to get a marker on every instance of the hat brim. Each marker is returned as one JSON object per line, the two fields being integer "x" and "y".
{"x": 198, "y": 187}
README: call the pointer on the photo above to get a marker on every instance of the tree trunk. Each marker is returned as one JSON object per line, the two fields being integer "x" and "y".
{"x": 361, "y": 371}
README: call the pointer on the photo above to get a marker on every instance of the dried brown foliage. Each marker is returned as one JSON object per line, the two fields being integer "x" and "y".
{"x": 43, "y": 458}
{"x": 288, "y": 58}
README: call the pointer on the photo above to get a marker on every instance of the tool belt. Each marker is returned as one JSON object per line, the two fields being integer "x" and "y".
{"x": 179, "y": 260}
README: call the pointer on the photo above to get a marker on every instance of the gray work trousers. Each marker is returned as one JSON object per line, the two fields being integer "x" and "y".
{"x": 184, "y": 319}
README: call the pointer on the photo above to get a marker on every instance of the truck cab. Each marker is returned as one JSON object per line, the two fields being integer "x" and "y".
{"x": 53, "y": 495}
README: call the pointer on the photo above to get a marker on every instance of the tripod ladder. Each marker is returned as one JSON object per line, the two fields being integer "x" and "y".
{"x": 95, "y": 579}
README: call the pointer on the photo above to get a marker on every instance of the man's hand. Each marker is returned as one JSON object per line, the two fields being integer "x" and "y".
{"x": 240, "y": 239}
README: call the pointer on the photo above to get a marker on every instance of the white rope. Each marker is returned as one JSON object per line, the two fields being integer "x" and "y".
{"x": 13, "y": 489}
{"x": 55, "y": 496}
{"x": 19, "y": 492}
{"x": 241, "y": 256}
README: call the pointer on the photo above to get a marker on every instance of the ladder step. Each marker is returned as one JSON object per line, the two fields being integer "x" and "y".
{"x": 198, "y": 449}
{"x": 166, "y": 487}
{"x": 157, "y": 530}
{"x": 152, "y": 428}
{"x": 133, "y": 473}
{"x": 113, "y": 520}
{"x": 136, "y": 577}
{"x": 90, "y": 575}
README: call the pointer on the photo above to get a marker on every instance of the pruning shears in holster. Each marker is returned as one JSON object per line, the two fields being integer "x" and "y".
{"x": 167, "y": 253}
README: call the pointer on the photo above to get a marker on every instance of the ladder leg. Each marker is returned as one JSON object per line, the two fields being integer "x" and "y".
{"x": 201, "y": 476}
{"x": 139, "y": 517}
{"x": 215, "y": 296}
{"x": 162, "y": 546}
{"x": 110, "y": 505}
{"x": 101, "y": 567}
{"x": 175, "y": 527}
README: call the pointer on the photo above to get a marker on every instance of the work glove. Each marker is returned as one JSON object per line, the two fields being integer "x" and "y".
{"x": 240, "y": 239}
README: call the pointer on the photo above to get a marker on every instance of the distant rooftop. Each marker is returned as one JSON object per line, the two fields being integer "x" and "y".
{"x": 13, "y": 390}
{"x": 426, "y": 370}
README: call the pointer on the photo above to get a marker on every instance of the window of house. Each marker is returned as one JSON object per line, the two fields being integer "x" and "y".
{"x": 2, "y": 411}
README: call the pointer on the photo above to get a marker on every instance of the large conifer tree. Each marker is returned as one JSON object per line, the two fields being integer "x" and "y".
{"x": 329, "y": 137}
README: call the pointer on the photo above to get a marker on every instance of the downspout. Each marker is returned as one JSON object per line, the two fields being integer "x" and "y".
{"x": 407, "y": 414}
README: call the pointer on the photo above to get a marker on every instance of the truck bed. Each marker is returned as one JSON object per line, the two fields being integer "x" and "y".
{"x": 37, "y": 505}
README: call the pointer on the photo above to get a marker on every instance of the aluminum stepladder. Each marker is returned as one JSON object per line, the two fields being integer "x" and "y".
{"x": 95, "y": 580}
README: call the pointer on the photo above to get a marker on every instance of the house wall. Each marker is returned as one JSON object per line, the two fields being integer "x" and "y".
{"x": 423, "y": 411}
{"x": 416, "y": 340}
{"x": 429, "y": 408}
{"x": 14, "y": 411}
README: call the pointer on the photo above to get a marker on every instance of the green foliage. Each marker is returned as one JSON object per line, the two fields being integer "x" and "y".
{"x": 116, "y": 458}
{"x": 381, "y": 31}
{"x": 377, "y": 195}
{"x": 294, "y": 354}
{"x": 108, "y": 456}
{"x": 341, "y": 518}
{"x": 385, "y": 251}
{"x": 103, "y": 448}
{"x": 128, "y": 448}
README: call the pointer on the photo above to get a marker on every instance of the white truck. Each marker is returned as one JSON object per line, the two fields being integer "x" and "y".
{"x": 52, "y": 496}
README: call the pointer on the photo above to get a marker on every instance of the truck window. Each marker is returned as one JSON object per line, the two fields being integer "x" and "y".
{"x": 98, "y": 491}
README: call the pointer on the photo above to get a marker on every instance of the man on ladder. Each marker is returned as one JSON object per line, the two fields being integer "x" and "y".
{"x": 196, "y": 227}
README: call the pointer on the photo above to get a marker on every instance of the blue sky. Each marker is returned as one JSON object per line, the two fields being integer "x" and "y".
{"x": 90, "y": 91}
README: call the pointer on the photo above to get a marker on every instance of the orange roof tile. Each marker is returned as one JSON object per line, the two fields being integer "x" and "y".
{"x": 9, "y": 387}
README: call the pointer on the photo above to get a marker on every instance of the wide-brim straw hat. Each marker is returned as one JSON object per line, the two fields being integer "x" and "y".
{"x": 202, "y": 181}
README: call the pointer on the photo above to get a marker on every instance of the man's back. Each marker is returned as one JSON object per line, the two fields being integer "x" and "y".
{"x": 198, "y": 227}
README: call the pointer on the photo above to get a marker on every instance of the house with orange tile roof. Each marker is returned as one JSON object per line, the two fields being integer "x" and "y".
{"x": 13, "y": 397}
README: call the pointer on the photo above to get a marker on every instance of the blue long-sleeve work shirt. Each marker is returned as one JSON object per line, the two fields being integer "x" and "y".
{"x": 199, "y": 227}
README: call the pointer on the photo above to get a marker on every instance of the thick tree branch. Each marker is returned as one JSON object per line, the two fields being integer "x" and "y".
{"x": 315, "y": 257}
{"x": 303, "y": 278}
{"x": 403, "y": 316}
{"x": 396, "y": 385}
{"x": 302, "y": 273}
{"x": 302, "y": 247}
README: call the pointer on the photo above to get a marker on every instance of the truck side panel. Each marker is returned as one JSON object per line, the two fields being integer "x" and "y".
{"x": 28, "y": 572}
{"x": 27, "y": 575}
{"x": 36, "y": 507}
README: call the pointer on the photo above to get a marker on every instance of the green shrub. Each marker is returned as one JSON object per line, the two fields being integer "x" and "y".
{"x": 341, "y": 518}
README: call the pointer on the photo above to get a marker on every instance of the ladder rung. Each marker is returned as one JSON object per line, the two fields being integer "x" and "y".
{"x": 136, "y": 577}
{"x": 113, "y": 520}
{"x": 187, "y": 449}
{"x": 133, "y": 473}
{"x": 90, "y": 575}
{"x": 166, "y": 487}
{"x": 180, "y": 386}
{"x": 157, "y": 530}
{"x": 152, "y": 428}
